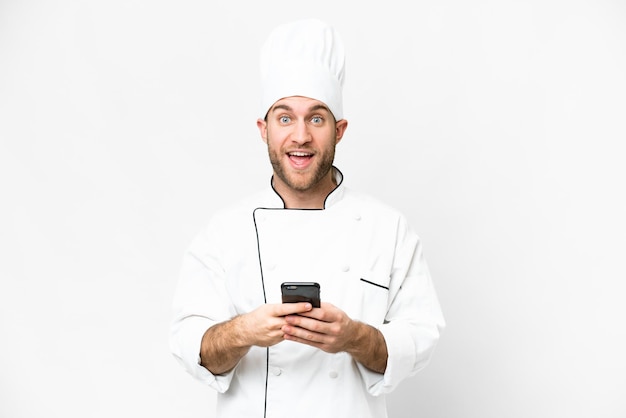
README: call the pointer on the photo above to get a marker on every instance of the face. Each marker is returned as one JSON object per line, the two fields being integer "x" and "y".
{"x": 301, "y": 135}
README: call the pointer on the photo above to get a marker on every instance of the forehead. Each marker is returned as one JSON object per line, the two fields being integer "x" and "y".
{"x": 299, "y": 104}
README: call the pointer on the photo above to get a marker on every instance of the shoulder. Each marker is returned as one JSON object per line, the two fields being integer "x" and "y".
{"x": 370, "y": 204}
{"x": 379, "y": 216}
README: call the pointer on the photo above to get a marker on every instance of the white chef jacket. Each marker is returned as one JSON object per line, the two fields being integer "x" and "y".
{"x": 368, "y": 262}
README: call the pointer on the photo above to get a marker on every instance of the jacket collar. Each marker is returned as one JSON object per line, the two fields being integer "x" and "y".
{"x": 276, "y": 201}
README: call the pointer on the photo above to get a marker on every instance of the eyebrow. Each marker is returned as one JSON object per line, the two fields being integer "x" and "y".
{"x": 313, "y": 108}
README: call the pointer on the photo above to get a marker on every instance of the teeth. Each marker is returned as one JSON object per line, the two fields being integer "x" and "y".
{"x": 299, "y": 154}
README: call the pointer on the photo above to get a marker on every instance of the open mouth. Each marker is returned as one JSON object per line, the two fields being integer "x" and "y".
{"x": 300, "y": 159}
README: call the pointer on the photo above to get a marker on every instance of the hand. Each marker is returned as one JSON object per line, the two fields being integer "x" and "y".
{"x": 331, "y": 330}
{"x": 224, "y": 344}
{"x": 263, "y": 326}
{"x": 327, "y": 328}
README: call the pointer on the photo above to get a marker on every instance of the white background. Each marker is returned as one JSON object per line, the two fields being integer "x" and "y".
{"x": 496, "y": 126}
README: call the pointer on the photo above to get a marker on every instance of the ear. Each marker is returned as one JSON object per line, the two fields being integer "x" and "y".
{"x": 262, "y": 125}
{"x": 340, "y": 129}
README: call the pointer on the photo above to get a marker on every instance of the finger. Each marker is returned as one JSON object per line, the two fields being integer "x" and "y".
{"x": 292, "y": 308}
{"x": 293, "y": 338}
{"x": 327, "y": 313}
{"x": 305, "y": 324}
{"x": 301, "y": 334}
{"x": 316, "y": 313}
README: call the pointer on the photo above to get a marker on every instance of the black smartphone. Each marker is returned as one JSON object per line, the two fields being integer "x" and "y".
{"x": 301, "y": 292}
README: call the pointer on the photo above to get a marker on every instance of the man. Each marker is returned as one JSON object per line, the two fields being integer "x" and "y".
{"x": 379, "y": 319}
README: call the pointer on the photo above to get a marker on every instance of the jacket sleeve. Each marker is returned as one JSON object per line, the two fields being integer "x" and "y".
{"x": 413, "y": 321}
{"x": 200, "y": 301}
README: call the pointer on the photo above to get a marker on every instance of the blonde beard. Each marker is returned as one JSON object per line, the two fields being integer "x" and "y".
{"x": 321, "y": 170}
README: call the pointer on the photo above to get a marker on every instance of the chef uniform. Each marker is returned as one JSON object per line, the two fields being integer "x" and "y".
{"x": 368, "y": 262}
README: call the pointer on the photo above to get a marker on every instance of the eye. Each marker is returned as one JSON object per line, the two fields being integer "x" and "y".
{"x": 285, "y": 119}
{"x": 317, "y": 120}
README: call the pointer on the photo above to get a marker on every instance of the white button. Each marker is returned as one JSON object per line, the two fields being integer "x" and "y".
{"x": 357, "y": 217}
{"x": 271, "y": 266}
{"x": 276, "y": 371}
{"x": 345, "y": 268}
{"x": 333, "y": 374}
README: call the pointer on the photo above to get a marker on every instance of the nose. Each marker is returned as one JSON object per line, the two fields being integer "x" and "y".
{"x": 301, "y": 134}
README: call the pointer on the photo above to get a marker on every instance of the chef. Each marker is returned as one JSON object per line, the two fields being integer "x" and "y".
{"x": 379, "y": 319}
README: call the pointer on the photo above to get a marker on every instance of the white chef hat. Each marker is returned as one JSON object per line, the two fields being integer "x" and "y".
{"x": 303, "y": 58}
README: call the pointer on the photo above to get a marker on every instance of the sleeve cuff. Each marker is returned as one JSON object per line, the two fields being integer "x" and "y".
{"x": 400, "y": 361}
{"x": 185, "y": 346}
